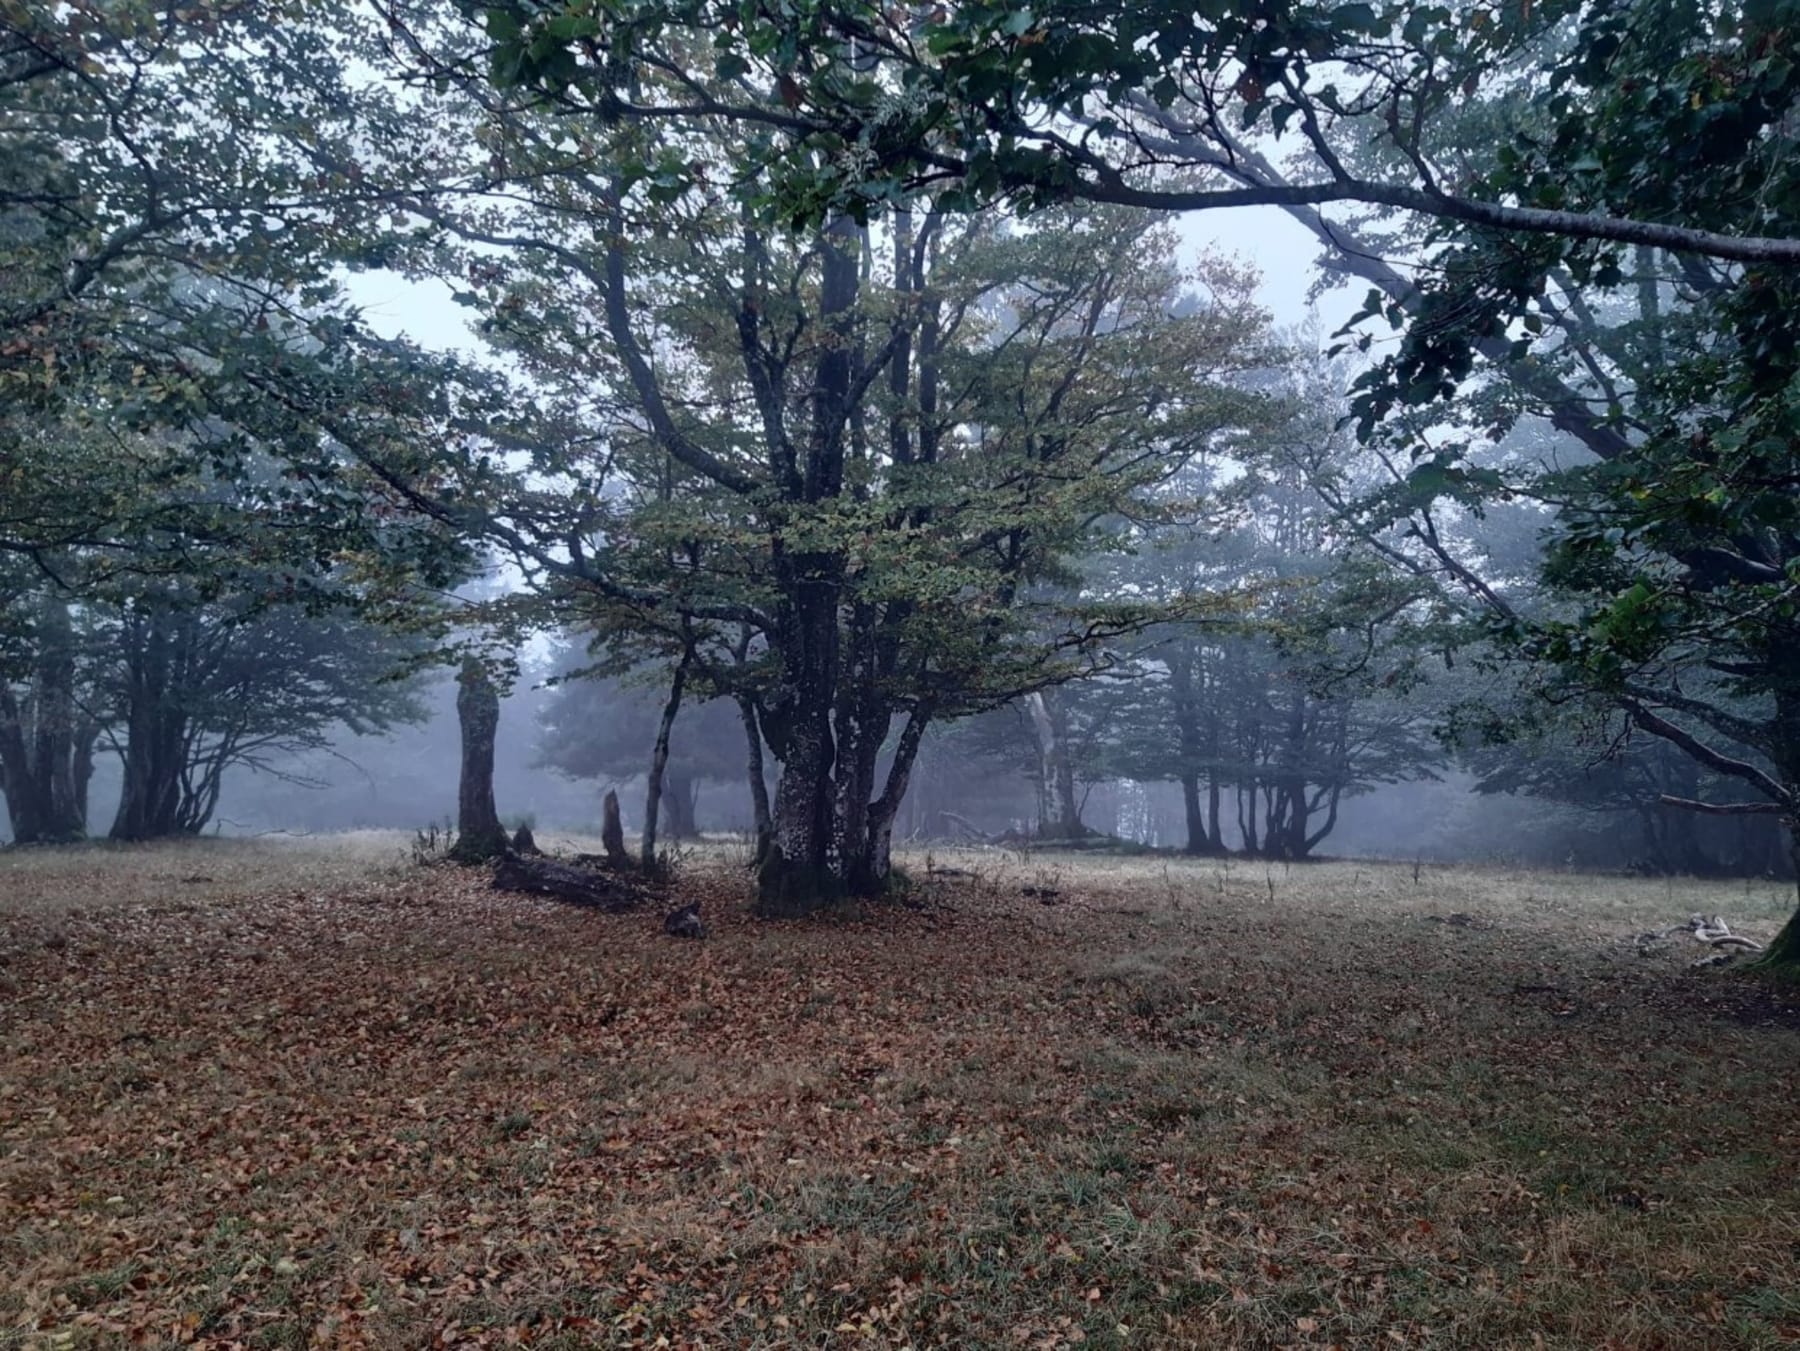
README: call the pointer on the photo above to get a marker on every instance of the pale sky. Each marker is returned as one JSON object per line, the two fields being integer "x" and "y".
{"x": 1280, "y": 249}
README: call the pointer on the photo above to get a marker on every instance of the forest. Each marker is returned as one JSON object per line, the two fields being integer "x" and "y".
{"x": 1272, "y": 523}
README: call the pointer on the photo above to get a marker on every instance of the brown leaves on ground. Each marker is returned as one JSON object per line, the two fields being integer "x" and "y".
{"x": 1192, "y": 1108}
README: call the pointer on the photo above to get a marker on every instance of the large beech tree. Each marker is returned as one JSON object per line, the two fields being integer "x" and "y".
{"x": 846, "y": 469}
{"x": 887, "y": 447}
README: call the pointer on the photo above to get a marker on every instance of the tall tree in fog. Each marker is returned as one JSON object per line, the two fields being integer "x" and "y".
{"x": 192, "y": 689}
{"x": 1307, "y": 696}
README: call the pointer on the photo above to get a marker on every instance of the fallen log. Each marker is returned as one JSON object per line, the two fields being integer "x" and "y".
{"x": 541, "y": 876}
{"x": 951, "y": 818}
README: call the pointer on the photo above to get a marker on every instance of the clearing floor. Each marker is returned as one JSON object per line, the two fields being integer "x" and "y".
{"x": 301, "y": 1093}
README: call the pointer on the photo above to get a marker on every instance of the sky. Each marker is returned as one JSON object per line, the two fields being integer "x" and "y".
{"x": 1266, "y": 237}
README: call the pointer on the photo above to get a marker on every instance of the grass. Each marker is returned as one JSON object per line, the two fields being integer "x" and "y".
{"x": 323, "y": 1098}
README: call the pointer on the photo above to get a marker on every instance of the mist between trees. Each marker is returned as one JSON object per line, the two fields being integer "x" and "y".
{"x": 837, "y": 455}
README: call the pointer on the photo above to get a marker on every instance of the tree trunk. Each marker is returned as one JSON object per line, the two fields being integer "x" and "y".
{"x": 799, "y": 873}
{"x": 803, "y": 870}
{"x": 157, "y": 646}
{"x": 56, "y": 734}
{"x": 46, "y": 743}
{"x": 550, "y": 877}
{"x": 681, "y": 796}
{"x": 872, "y": 868}
{"x": 1199, "y": 839}
{"x": 1184, "y": 698}
{"x": 1782, "y": 956}
{"x": 659, "y": 761}
{"x": 862, "y": 725}
{"x": 1049, "y": 723}
{"x": 479, "y": 834}
{"x": 759, "y": 785}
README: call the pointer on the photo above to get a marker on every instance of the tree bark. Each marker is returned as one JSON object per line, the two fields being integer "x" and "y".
{"x": 479, "y": 834}
{"x": 46, "y": 743}
{"x": 681, "y": 793}
{"x": 659, "y": 760}
{"x": 1050, "y": 725}
{"x": 872, "y": 869}
{"x": 762, "y": 817}
{"x": 803, "y": 870}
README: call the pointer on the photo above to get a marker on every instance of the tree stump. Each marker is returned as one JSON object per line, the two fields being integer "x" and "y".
{"x": 612, "y": 833}
{"x": 685, "y": 922}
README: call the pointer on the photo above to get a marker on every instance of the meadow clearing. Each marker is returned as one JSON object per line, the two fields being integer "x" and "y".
{"x": 307, "y": 1093}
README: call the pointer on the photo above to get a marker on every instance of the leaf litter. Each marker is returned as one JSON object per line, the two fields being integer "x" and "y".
{"x": 335, "y": 1105}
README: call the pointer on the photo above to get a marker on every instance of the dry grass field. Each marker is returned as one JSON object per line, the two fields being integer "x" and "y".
{"x": 306, "y": 1094}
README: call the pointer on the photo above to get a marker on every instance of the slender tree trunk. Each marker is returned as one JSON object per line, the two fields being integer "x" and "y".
{"x": 1186, "y": 707}
{"x": 659, "y": 761}
{"x": 87, "y": 736}
{"x": 874, "y": 864}
{"x": 759, "y": 785}
{"x": 681, "y": 794}
{"x": 862, "y": 725}
{"x": 479, "y": 834}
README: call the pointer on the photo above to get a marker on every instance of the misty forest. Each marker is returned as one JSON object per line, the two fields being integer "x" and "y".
{"x": 804, "y": 673}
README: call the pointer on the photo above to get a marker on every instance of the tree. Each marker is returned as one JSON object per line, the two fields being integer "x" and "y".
{"x": 181, "y": 186}
{"x": 1672, "y": 563}
{"x": 865, "y": 450}
{"x": 1293, "y": 705}
{"x": 1585, "y": 758}
{"x": 858, "y": 106}
{"x": 191, "y": 688}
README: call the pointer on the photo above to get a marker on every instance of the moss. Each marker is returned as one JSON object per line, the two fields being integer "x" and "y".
{"x": 1782, "y": 957}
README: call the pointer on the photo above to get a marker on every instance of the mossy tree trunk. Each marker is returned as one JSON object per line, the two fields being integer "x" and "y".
{"x": 1783, "y": 954}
